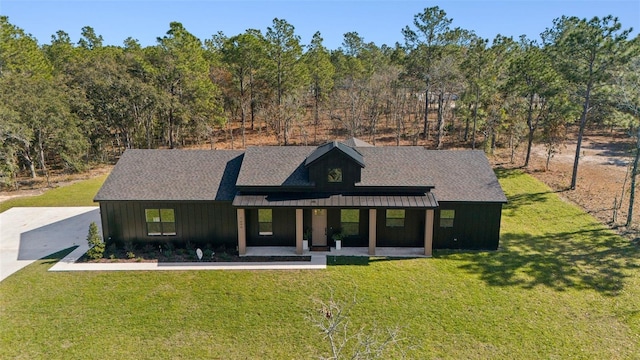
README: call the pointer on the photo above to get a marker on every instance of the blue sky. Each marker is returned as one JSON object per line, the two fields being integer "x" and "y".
{"x": 377, "y": 21}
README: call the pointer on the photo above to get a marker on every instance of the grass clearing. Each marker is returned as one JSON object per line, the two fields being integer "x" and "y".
{"x": 561, "y": 286}
{"x": 80, "y": 193}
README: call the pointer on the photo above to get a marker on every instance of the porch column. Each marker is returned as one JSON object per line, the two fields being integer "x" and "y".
{"x": 242, "y": 233}
{"x": 372, "y": 231}
{"x": 428, "y": 232}
{"x": 299, "y": 231}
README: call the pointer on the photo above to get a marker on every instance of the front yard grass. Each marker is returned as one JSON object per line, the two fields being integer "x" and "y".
{"x": 561, "y": 286}
{"x": 80, "y": 193}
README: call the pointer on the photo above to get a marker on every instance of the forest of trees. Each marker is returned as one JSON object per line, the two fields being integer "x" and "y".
{"x": 67, "y": 105}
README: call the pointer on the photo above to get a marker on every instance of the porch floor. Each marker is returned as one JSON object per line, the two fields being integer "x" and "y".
{"x": 345, "y": 251}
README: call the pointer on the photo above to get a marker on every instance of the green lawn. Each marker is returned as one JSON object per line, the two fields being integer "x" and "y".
{"x": 77, "y": 194}
{"x": 560, "y": 287}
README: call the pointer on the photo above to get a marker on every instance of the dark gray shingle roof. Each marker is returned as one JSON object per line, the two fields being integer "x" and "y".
{"x": 392, "y": 166}
{"x": 275, "y": 166}
{"x": 173, "y": 175}
{"x": 457, "y": 175}
{"x": 324, "y": 149}
{"x": 355, "y": 142}
{"x": 463, "y": 175}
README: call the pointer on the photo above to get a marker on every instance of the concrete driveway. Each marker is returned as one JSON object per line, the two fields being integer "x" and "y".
{"x": 29, "y": 234}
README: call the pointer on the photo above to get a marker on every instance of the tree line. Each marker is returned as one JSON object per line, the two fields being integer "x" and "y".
{"x": 66, "y": 105}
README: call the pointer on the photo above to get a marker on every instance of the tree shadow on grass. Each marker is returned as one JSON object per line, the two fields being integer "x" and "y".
{"x": 594, "y": 259}
{"x": 55, "y": 257}
{"x": 339, "y": 260}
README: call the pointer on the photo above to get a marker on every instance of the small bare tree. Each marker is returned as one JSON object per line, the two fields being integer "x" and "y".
{"x": 332, "y": 320}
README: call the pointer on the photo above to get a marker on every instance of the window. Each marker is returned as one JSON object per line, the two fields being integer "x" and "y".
{"x": 350, "y": 221}
{"x": 265, "y": 222}
{"x": 446, "y": 218}
{"x": 335, "y": 175}
{"x": 395, "y": 217}
{"x": 160, "y": 222}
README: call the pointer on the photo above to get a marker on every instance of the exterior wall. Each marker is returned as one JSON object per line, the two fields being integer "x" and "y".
{"x": 197, "y": 222}
{"x": 333, "y": 226}
{"x": 410, "y": 235}
{"x": 475, "y": 226}
{"x": 318, "y": 171}
{"x": 284, "y": 228}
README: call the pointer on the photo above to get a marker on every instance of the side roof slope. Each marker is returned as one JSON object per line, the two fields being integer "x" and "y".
{"x": 463, "y": 176}
{"x": 275, "y": 166}
{"x": 173, "y": 175}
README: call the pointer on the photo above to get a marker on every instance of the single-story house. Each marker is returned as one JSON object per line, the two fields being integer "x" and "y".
{"x": 404, "y": 196}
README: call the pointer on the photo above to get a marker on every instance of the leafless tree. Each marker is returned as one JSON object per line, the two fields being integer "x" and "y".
{"x": 331, "y": 318}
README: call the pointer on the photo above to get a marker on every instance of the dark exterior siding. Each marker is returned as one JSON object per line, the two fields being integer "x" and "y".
{"x": 334, "y": 224}
{"x": 476, "y": 226}
{"x": 198, "y": 222}
{"x": 410, "y": 235}
{"x": 351, "y": 172}
{"x": 284, "y": 228}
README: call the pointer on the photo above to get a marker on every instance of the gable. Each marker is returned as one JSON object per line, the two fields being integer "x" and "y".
{"x": 333, "y": 148}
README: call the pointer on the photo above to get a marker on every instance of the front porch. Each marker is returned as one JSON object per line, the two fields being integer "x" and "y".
{"x": 408, "y": 252}
{"x": 372, "y": 250}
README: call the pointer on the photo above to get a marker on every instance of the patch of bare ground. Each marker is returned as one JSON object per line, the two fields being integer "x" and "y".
{"x": 603, "y": 175}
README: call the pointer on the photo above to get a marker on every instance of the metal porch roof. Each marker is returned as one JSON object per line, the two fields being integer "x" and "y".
{"x": 426, "y": 201}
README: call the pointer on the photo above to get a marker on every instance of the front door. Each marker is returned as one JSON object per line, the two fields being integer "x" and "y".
{"x": 319, "y": 227}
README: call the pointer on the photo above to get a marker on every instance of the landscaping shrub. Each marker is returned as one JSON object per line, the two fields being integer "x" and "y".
{"x": 96, "y": 245}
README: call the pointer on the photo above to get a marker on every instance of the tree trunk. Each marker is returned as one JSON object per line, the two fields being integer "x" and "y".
{"x": 43, "y": 164}
{"x": 440, "y": 133}
{"x": 286, "y": 132}
{"x": 243, "y": 116}
{"x": 632, "y": 191}
{"x": 171, "y": 144}
{"x": 425, "y": 131}
{"x": 475, "y": 119}
{"x": 253, "y": 101}
{"x": 532, "y": 129}
{"x": 27, "y": 158}
{"x": 466, "y": 127}
{"x": 583, "y": 123}
{"x": 316, "y": 115}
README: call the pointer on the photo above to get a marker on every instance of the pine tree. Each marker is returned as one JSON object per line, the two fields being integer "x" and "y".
{"x": 96, "y": 245}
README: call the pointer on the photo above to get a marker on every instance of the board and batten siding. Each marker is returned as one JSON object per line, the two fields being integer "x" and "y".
{"x": 334, "y": 226}
{"x": 198, "y": 222}
{"x": 409, "y": 235}
{"x": 283, "y": 228}
{"x": 476, "y": 226}
{"x": 318, "y": 173}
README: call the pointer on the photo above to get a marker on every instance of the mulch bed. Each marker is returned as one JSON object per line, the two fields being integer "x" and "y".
{"x": 183, "y": 255}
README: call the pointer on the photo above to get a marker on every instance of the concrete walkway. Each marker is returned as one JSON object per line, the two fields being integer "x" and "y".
{"x": 31, "y": 233}
{"x": 318, "y": 260}
{"x": 68, "y": 264}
